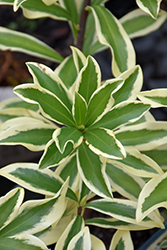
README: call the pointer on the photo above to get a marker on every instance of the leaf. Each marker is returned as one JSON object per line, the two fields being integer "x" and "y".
{"x": 67, "y": 71}
{"x": 38, "y": 9}
{"x": 101, "y": 101}
{"x": 150, "y": 7}
{"x": 124, "y": 210}
{"x": 158, "y": 155}
{"x": 139, "y": 164}
{"x": 89, "y": 79}
{"x": 51, "y": 106}
{"x": 84, "y": 194}
{"x": 121, "y": 209}
{"x": 121, "y": 240}
{"x": 124, "y": 182}
{"x": 52, "y": 156}
{"x": 138, "y": 23}
{"x": 81, "y": 241}
{"x": 91, "y": 44}
{"x": 16, "y": 114}
{"x": 97, "y": 2}
{"x": 122, "y": 225}
{"x": 152, "y": 196}
{"x": 155, "y": 97}
{"x": 48, "y": 80}
{"x": 22, "y": 241}
{"x": 21, "y": 42}
{"x": 107, "y": 28}
{"x": 133, "y": 81}
{"x": 103, "y": 142}
{"x": 17, "y": 4}
{"x": 144, "y": 136}
{"x": 53, "y": 233}
{"x": 92, "y": 171}
{"x": 79, "y": 110}
{"x": 16, "y": 102}
{"x": 28, "y": 175}
{"x": 79, "y": 58}
{"x": 9, "y": 205}
{"x": 69, "y": 168}
{"x": 72, "y": 229}
{"x": 37, "y": 215}
{"x": 49, "y": 2}
{"x": 122, "y": 114}
{"x": 33, "y": 135}
{"x": 96, "y": 243}
{"x": 74, "y": 8}
{"x": 62, "y": 136}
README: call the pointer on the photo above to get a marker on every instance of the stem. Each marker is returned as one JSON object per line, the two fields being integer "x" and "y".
{"x": 82, "y": 24}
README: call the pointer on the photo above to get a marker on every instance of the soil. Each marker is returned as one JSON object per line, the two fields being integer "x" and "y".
{"x": 57, "y": 34}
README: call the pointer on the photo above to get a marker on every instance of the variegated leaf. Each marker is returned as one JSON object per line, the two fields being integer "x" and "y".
{"x": 138, "y": 23}
{"x": 79, "y": 58}
{"x": 92, "y": 171}
{"x": 133, "y": 81}
{"x": 8, "y": 2}
{"x": 54, "y": 232}
{"x": 27, "y": 174}
{"x": 103, "y": 142}
{"x": 72, "y": 229}
{"x": 33, "y": 136}
{"x": 96, "y": 243}
{"x": 121, "y": 240}
{"x": 69, "y": 168}
{"x": 152, "y": 196}
{"x": 16, "y": 102}
{"x": 89, "y": 79}
{"x": 38, "y": 9}
{"x": 123, "y": 225}
{"x": 120, "y": 209}
{"x": 52, "y": 156}
{"x": 81, "y": 241}
{"x": 144, "y": 136}
{"x": 155, "y": 97}
{"x": 101, "y": 101}
{"x": 67, "y": 71}
{"x": 91, "y": 44}
{"x": 97, "y": 2}
{"x": 26, "y": 117}
{"x": 37, "y": 215}
{"x": 124, "y": 182}
{"x": 9, "y": 206}
{"x": 79, "y": 110}
{"x": 122, "y": 114}
{"x": 74, "y": 8}
{"x": 158, "y": 155}
{"x": 48, "y": 80}
{"x": 49, "y": 2}
{"x": 107, "y": 28}
{"x": 62, "y": 136}
{"x": 17, "y": 4}
{"x": 150, "y": 7}
{"x": 138, "y": 163}
{"x": 84, "y": 193}
{"x": 22, "y": 241}
{"x": 124, "y": 210}
{"x": 21, "y": 42}
{"x": 51, "y": 106}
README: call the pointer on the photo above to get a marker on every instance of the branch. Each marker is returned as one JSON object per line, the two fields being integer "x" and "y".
{"x": 82, "y": 24}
